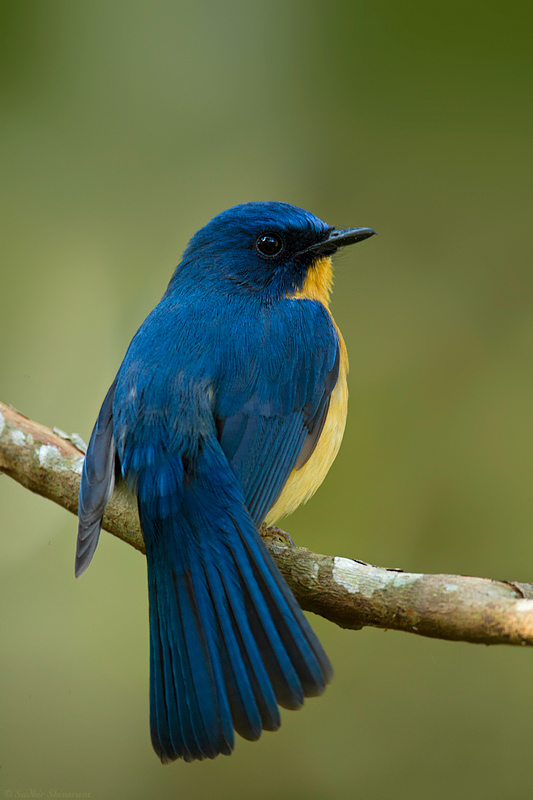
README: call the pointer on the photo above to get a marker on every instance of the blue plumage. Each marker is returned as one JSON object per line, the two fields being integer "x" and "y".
{"x": 223, "y": 392}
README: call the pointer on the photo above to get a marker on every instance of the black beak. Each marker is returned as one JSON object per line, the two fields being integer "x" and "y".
{"x": 339, "y": 238}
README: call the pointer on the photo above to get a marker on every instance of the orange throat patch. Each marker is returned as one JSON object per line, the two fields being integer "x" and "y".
{"x": 318, "y": 283}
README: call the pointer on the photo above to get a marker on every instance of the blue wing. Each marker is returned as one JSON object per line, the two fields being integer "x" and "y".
{"x": 272, "y": 375}
{"x": 97, "y": 481}
{"x": 276, "y": 427}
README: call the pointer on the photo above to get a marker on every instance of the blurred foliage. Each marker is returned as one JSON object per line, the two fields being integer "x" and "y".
{"x": 125, "y": 126}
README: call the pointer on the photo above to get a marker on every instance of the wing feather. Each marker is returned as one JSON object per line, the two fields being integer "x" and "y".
{"x": 97, "y": 482}
{"x": 278, "y": 427}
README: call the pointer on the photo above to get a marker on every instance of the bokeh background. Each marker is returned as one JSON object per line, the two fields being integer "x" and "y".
{"x": 125, "y": 126}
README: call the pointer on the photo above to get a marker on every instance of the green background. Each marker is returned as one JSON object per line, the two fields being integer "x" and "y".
{"x": 124, "y": 127}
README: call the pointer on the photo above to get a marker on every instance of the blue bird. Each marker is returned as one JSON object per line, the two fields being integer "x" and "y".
{"x": 227, "y": 411}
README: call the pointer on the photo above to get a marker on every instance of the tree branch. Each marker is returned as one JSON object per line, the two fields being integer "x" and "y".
{"x": 350, "y": 593}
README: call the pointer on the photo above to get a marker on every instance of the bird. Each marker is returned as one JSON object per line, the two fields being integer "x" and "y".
{"x": 226, "y": 413}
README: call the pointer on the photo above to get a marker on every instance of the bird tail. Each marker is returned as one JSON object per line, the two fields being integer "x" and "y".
{"x": 228, "y": 641}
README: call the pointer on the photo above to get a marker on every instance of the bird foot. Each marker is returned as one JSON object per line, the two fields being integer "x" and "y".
{"x": 272, "y": 532}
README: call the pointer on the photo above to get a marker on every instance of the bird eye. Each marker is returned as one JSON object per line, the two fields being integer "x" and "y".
{"x": 269, "y": 244}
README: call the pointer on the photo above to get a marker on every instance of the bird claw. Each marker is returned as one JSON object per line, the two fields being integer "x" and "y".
{"x": 272, "y": 532}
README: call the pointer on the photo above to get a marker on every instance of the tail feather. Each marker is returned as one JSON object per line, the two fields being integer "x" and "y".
{"x": 190, "y": 714}
{"x": 189, "y": 718}
{"x": 307, "y": 655}
{"x": 252, "y": 702}
{"x": 262, "y": 631}
{"x": 228, "y": 642}
{"x": 161, "y": 676}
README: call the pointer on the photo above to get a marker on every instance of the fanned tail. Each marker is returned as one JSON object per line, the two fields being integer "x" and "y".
{"x": 228, "y": 641}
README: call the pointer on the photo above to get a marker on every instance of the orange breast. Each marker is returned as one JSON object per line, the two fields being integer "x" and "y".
{"x": 303, "y": 483}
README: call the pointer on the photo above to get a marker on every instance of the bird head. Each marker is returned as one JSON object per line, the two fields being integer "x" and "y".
{"x": 266, "y": 248}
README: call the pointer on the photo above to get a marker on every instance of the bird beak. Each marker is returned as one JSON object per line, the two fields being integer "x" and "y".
{"x": 339, "y": 238}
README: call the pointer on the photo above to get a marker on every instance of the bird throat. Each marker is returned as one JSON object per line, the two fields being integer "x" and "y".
{"x": 318, "y": 283}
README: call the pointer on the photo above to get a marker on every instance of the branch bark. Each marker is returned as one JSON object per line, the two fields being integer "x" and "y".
{"x": 348, "y": 592}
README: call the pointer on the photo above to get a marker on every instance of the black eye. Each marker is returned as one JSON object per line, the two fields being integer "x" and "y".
{"x": 269, "y": 244}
